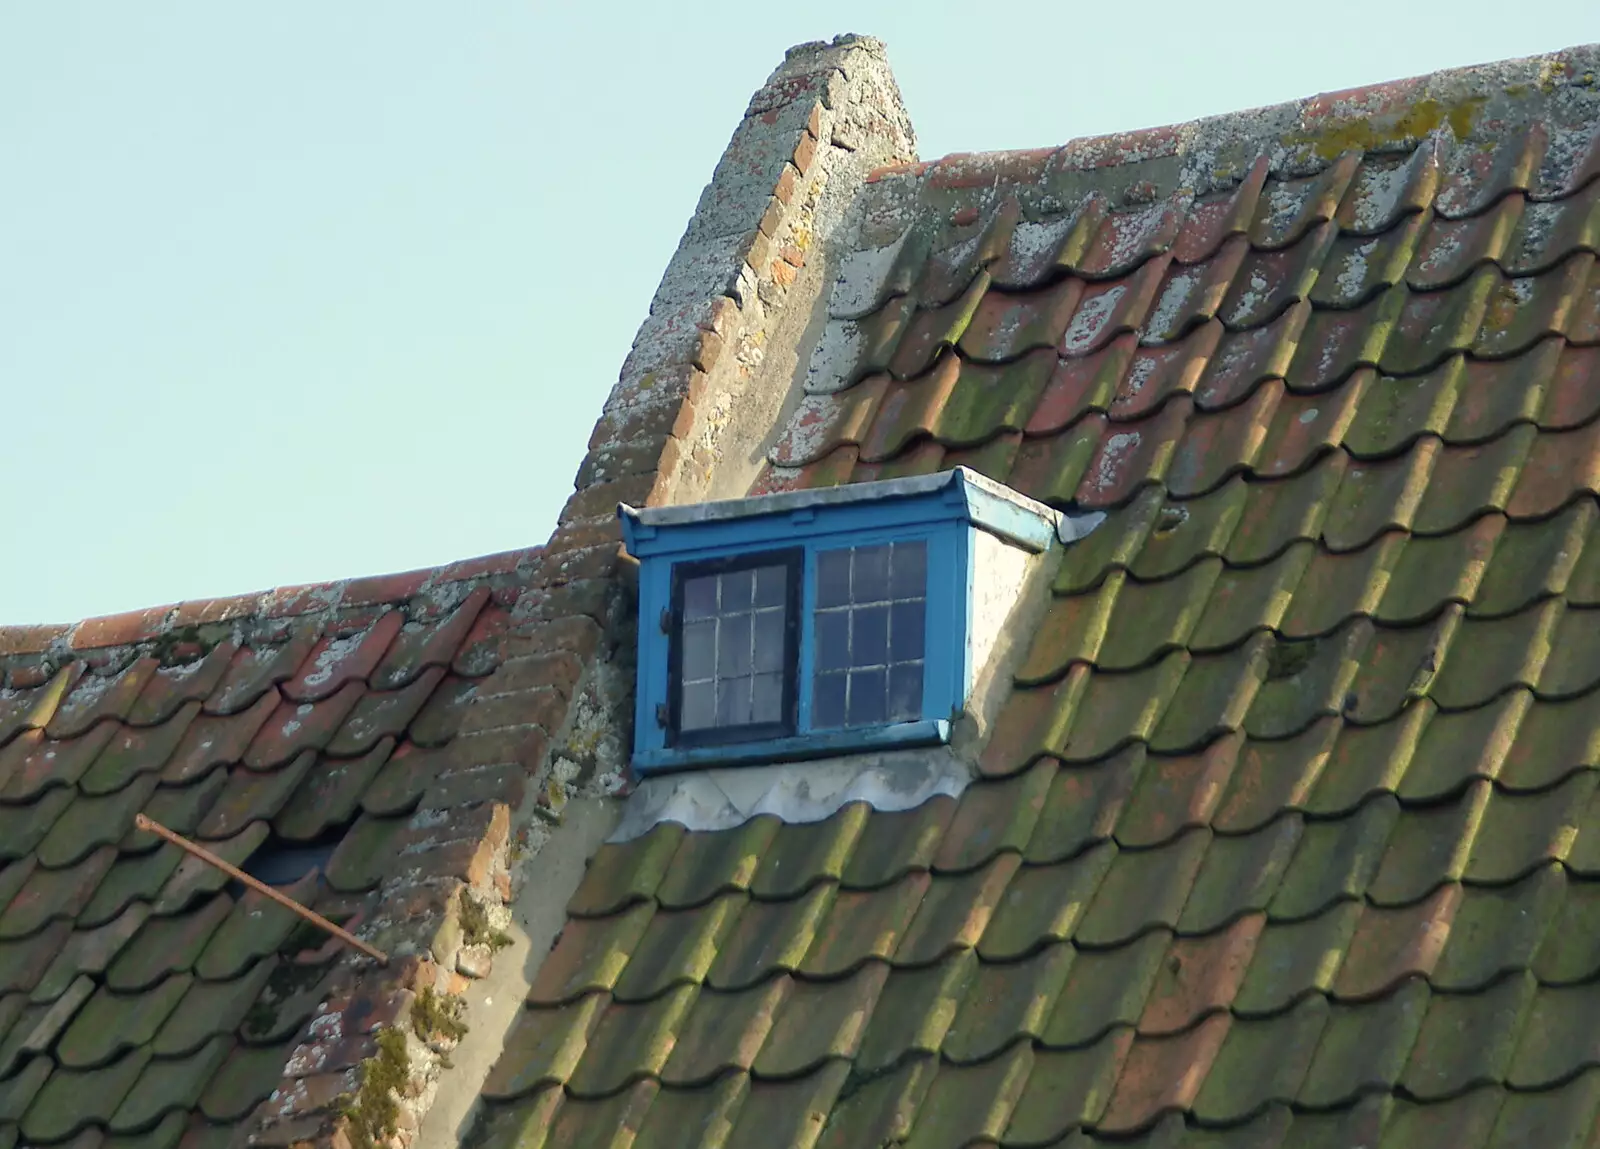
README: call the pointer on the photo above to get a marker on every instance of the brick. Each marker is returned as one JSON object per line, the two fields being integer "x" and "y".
{"x": 298, "y": 1132}
{"x": 469, "y": 859}
{"x": 598, "y": 599}
{"x": 672, "y": 416}
{"x": 578, "y": 633}
{"x": 782, "y": 273}
{"x": 307, "y": 1095}
{"x": 783, "y": 191}
{"x": 521, "y": 746}
{"x": 202, "y": 611}
{"x": 501, "y": 563}
{"x": 760, "y": 251}
{"x": 30, "y": 639}
{"x": 638, "y": 456}
{"x": 640, "y": 386}
{"x": 347, "y": 1051}
{"x": 725, "y": 316}
{"x": 792, "y": 255}
{"x": 708, "y": 349}
{"x": 34, "y": 672}
{"x": 574, "y": 565}
{"x": 294, "y": 601}
{"x": 602, "y": 498}
{"x": 503, "y": 783}
{"x": 391, "y": 588}
{"x": 772, "y": 218}
{"x": 416, "y": 901}
{"x": 581, "y": 535}
{"x": 121, "y": 629}
{"x": 514, "y": 709}
{"x": 814, "y": 121}
{"x": 805, "y": 151}
{"x": 560, "y": 670}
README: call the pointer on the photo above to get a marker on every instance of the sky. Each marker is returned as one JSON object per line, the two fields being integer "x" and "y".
{"x": 294, "y": 292}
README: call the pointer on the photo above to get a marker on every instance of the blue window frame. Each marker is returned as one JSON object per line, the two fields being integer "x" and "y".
{"x": 811, "y": 623}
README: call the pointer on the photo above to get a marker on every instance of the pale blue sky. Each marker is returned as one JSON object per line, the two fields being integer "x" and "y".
{"x": 300, "y": 291}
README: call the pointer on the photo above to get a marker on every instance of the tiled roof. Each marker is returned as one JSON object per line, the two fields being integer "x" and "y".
{"x": 1290, "y": 830}
{"x": 141, "y": 995}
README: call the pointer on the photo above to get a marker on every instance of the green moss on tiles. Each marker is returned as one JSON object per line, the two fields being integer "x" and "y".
{"x": 1170, "y": 519}
{"x": 1288, "y": 659}
{"x": 437, "y": 1016}
{"x": 476, "y": 928}
{"x": 187, "y": 644}
{"x": 1368, "y": 133}
{"x": 374, "y": 1109}
{"x": 288, "y": 979}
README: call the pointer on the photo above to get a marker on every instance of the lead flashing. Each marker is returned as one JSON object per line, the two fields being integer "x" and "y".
{"x": 976, "y": 489}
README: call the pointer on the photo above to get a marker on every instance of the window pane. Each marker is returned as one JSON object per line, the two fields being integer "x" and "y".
{"x": 833, "y": 578}
{"x": 869, "y": 636}
{"x": 827, "y": 700}
{"x": 833, "y": 640}
{"x": 905, "y": 692}
{"x": 733, "y": 646}
{"x": 700, "y": 597}
{"x": 906, "y": 624}
{"x": 867, "y": 697}
{"x": 733, "y": 702}
{"x": 766, "y": 701}
{"x": 698, "y": 710}
{"x": 738, "y": 589}
{"x": 769, "y": 641}
{"x": 772, "y": 584}
{"x": 908, "y": 576}
{"x": 732, "y": 656}
{"x": 699, "y": 650}
{"x": 878, "y": 625}
{"x": 870, "y": 581}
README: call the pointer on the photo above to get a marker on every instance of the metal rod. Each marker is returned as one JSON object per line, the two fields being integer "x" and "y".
{"x": 265, "y": 890}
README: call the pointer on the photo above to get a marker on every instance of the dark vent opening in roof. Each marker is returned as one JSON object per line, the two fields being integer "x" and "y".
{"x": 281, "y": 862}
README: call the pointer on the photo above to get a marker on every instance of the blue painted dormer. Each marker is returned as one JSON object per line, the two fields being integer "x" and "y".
{"x": 816, "y": 623}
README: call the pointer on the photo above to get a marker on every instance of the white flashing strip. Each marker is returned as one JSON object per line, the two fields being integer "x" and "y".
{"x": 793, "y": 791}
{"x": 842, "y": 495}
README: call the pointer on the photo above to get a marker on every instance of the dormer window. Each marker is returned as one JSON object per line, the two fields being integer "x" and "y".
{"x": 733, "y": 647}
{"x": 814, "y": 623}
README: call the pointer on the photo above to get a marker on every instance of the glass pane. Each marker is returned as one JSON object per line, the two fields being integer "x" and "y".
{"x": 871, "y": 578}
{"x": 738, "y": 588}
{"x": 733, "y": 646}
{"x": 833, "y": 578}
{"x": 772, "y": 584}
{"x": 769, "y": 641}
{"x": 869, "y": 636}
{"x": 766, "y": 700}
{"x": 699, "y": 649}
{"x": 908, "y": 576}
{"x": 906, "y": 624}
{"x": 867, "y": 690}
{"x": 905, "y": 692}
{"x": 733, "y": 702}
{"x": 833, "y": 640}
{"x": 698, "y": 710}
{"x": 700, "y": 597}
{"x": 827, "y": 700}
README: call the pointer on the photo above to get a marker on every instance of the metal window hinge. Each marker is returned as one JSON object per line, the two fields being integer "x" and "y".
{"x": 661, "y": 714}
{"x": 666, "y": 620}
